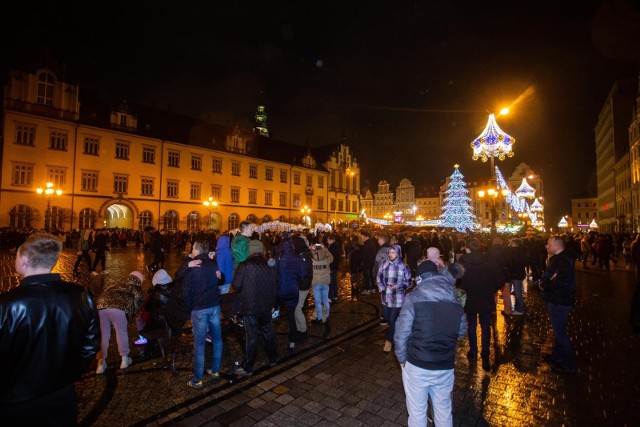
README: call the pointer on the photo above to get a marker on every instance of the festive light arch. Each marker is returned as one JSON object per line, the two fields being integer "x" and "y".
{"x": 492, "y": 142}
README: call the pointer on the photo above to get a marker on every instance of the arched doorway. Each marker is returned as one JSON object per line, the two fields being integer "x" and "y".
{"x": 215, "y": 221}
{"x": 118, "y": 215}
{"x": 282, "y": 218}
{"x": 193, "y": 221}
{"x": 233, "y": 221}
{"x": 145, "y": 219}
{"x": 266, "y": 218}
{"x": 170, "y": 220}
{"x": 252, "y": 218}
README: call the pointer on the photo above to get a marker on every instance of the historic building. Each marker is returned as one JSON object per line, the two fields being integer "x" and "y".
{"x": 383, "y": 203}
{"x": 634, "y": 158}
{"x": 583, "y": 212}
{"x": 137, "y": 166}
{"x": 406, "y": 199}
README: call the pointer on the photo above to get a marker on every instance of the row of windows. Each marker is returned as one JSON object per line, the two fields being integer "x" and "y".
{"x": 586, "y": 215}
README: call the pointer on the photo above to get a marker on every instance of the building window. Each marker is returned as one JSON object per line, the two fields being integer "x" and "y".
{"x": 58, "y": 140}
{"x": 173, "y": 159}
{"x": 320, "y": 181}
{"x": 45, "y": 88}
{"x": 87, "y": 218}
{"x": 193, "y": 221}
{"x": 354, "y": 206}
{"x": 333, "y": 204}
{"x": 170, "y": 220}
{"x": 91, "y": 145}
{"x": 216, "y": 191}
{"x": 22, "y": 174}
{"x": 122, "y": 150}
{"x": 253, "y": 171}
{"x": 233, "y": 221}
{"x": 25, "y": 134}
{"x": 296, "y": 200}
{"x": 194, "y": 193}
{"x": 309, "y": 201}
{"x": 283, "y": 175}
{"x": 149, "y": 154}
{"x": 235, "y": 195}
{"x": 586, "y": 215}
{"x": 57, "y": 175}
{"x": 146, "y": 186}
{"x": 253, "y": 196}
{"x": 320, "y": 202}
{"x": 120, "y": 184}
{"x": 145, "y": 219}
{"x": 296, "y": 178}
{"x": 89, "y": 181}
{"x": 217, "y": 165}
{"x": 268, "y": 198}
{"x": 20, "y": 217}
{"x": 283, "y": 199}
{"x": 309, "y": 179}
{"x": 235, "y": 168}
{"x": 196, "y": 162}
{"x": 268, "y": 174}
{"x": 172, "y": 188}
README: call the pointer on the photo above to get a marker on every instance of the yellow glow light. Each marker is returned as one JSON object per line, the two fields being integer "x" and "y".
{"x": 504, "y": 111}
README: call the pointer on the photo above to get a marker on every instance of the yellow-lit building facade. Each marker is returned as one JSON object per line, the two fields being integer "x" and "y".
{"x": 142, "y": 167}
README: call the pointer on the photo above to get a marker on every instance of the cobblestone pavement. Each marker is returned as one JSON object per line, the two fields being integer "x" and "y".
{"x": 341, "y": 376}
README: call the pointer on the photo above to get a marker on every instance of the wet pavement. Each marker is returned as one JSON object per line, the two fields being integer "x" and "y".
{"x": 341, "y": 376}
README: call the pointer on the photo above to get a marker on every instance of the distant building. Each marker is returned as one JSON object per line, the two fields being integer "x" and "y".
{"x": 583, "y": 212}
{"x": 383, "y": 200}
{"x": 405, "y": 199}
{"x": 634, "y": 154}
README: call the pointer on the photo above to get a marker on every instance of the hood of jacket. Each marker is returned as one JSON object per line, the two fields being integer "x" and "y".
{"x": 223, "y": 244}
{"x": 436, "y": 288}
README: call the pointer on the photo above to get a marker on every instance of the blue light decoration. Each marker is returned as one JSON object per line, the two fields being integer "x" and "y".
{"x": 536, "y": 206}
{"x": 492, "y": 142}
{"x": 525, "y": 191}
{"x": 456, "y": 212}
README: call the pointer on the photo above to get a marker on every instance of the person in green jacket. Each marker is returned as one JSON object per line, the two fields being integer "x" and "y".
{"x": 240, "y": 244}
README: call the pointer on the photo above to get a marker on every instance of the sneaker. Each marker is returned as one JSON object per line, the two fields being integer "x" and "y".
{"x": 140, "y": 341}
{"x": 214, "y": 375}
{"x": 102, "y": 366}
{"x": 103, "y": 272}
{"x": 241, "y": 373}
{"x": 126, "y": 362}
{"x": 195, "y": 384}
{"x": 517, "y": 313}
{"x": 94, "y": 273}
{"x": 384, "y": 323}
{"x": 387, "y": 346}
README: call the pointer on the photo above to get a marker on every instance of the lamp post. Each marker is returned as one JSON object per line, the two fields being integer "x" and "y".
{"x": 49, "y": 190}
{"x": 348, "y": 172}
{"x": 306, "y": 219}
{"x": 211, "y": 204}
{"x": 492, "y": 194}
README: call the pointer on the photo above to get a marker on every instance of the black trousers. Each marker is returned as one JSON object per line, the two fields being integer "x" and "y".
{"x": 87, "y": 259}
{"x": 254, "y": 326}
{"x": 101, "y": 257}
{"x": 59, "y": 408}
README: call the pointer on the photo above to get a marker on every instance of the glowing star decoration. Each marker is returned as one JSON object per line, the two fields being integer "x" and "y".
{"x": 456, "y": 212}
{"x": 492, "y": 142}
{"x": 525, "y": 190}
{"x": 536, "y": 206}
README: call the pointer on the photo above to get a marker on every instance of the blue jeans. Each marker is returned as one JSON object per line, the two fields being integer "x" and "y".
{"x": 562, "y": 349}
{"x": 485, "y": 327}
{"x": 203, "y": 320}
{"x": 321, "y": 296}
{"x": 517, "y": 288}
{"x": 390, "y": 314}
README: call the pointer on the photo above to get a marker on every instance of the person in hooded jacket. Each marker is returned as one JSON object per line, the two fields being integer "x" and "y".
{"x": 427, "y": 331}
{"x": 153, "y": 315}
{"x": 290, "y": 275}
{"x": 224, "y": 258}
{"x": 480, "y": 282}
{"x": 322, "y": 259}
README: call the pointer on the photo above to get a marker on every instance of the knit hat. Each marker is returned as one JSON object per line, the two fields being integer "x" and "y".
{"x": 255, "y": 247}
{"x": 426, "y": 266}
{"x": 138, "y": 275}
{"x": 161, "y": 277}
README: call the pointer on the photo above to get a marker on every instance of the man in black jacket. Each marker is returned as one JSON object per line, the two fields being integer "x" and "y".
{"x": 369, "y": 251}
{"x": 256, "y": 280}
{"x": 49, "y": 334}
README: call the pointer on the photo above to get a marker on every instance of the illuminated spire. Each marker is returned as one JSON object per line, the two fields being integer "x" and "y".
{"x": 261, "y": 122}
{"x": 492, "y": 142}
{"x": 525, "y": 190}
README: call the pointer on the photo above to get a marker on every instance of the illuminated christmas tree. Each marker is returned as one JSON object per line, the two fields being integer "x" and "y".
{"x": 456, "y": 212}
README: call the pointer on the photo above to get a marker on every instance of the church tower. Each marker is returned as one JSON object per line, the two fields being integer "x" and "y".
{"x": 261, "y": 122}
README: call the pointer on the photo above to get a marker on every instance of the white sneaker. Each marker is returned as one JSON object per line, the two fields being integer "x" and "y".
{"x": 126, "y": 362}
{"x": 94, "y": 273}
{"x": 387, "y": 346}
{"x": 102, "y": 366}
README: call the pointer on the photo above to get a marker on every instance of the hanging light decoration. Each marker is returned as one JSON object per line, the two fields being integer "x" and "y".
{"x": 525, "y": 190}
{"x": 492, "y": 142}
{"x": 536, "y": 206}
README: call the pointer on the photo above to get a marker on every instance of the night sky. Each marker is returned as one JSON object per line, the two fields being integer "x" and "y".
{"x": 410, "y": 84}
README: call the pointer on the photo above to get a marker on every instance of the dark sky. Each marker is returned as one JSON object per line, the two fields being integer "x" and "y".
{"x": 409, "y": 83}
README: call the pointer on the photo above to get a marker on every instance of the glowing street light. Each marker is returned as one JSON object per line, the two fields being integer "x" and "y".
{"x": 211, "y": 204}
{"x": 49, "y": 190}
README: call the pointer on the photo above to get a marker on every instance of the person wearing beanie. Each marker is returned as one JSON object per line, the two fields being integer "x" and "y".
{"x": 117, "y": 306}
{"x": 152, "y": 316}
{"x": 256, "y": 282}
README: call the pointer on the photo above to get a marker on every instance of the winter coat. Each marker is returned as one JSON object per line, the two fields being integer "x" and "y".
{"x": 224, "y": 258}
{"x": 336, "y": 253}
{"x": 126, "y": 296}
{"x": 480, "y": 281}
{"x": 559, "y": 279}
{"x": 519, "y": 262}
{"x": 291, "y": 271}
{"x": 156, "y": 306}
{"x": 200, "y": 286}
{"x": 369, "y": 251}
{"x": 355, "y": 258}
{"x": 414, "y": 253}
{"x": 382, "y": 256}
{"x": 431, "y": 321}
{"x": 239, "y": 249}
{"x": 393, "y": 273}
{"x": 499, "y": 255}
{"x": 322, "y": 259}
{"x": 257, "y": 283}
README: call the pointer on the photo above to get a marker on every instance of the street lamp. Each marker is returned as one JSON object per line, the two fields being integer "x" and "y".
{"x": 492, "y": 194}
{"x": 49, "y": 190}
{"x": 211, "y": 204}
{"x": 306, "y": 211}
{"x": 492, "y": 142}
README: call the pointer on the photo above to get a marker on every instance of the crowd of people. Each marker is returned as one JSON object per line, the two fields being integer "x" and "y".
{"x": 434, "y": 287}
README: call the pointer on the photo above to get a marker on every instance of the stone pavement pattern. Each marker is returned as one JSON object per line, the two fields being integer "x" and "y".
{"x": 341, "y": 376}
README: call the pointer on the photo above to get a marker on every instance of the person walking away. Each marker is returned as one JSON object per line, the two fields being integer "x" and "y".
{"x": 117, "y": 306}
{"x": 301, "y": 246}
{"x": 518, "y": 273}
{"x": 585, "y": 250}
{"x": 100, "y": 248}
{"x": 369, "y": 251}
{"x": 240, "y": 243}
{"x": 201, "y": 279}
{"x": 157, "y": 248}
{"x": 499, "y": 255}
{"x": 290, "y": 275}
{"x": 336, "y": 252}
{"x": 83, "y": 247}
{"x": 558, "y": 291}
{"x": 393, "y": 278}
{"x": 322, "y": 259}
{"x": 49, "y": 334}
{"x": 427, "y": 331}
{"x": 257, "y": 283}
{"x": 224, "y": 258}
{"x": 480, "y": 282}
{"x": 414, "y": 252}
{"x": 355, "y": 265}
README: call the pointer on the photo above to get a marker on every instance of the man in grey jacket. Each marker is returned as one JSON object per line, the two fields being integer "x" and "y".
{"x": 431, "y": 322}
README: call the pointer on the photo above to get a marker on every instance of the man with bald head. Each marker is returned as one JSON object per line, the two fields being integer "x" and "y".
{"x": 558, "y": 291}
